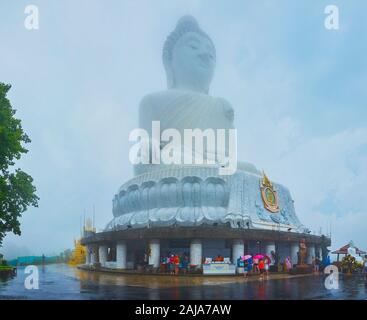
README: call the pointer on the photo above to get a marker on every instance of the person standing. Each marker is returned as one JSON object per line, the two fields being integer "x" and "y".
{"x": 249, "y": 265}
{"x": 168, "y": 263}
{"x": 314, "y": 264}
{"x": 172, "y": 264}
{"x": 177, "y": 264}
{"x": 261, "y": 268}
{"x": 317, "y": 265}
{"x": 146, "y": 259}
{"x": 246, "y": 268}
{"x": 288, "y": 264}
{"x": 184, "y": 263}
{"x": 239, "y": 262}
{"x": 256, "y": 265}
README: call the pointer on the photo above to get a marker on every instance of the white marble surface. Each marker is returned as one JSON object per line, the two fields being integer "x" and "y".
{"x": 189, "y": 196}
{"x": 102, "y": 253}
{"x": 154, "y": 258}
{"x": 196, "y": 252}
{"x": 121, "y": 252}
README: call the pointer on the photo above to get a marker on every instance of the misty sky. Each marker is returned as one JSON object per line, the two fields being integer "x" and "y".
{"x": 298, "y": 91}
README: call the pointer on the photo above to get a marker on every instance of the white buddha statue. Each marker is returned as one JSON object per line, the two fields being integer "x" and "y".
{"x": 189, "y": 59}
{"x": 166, "y": 195}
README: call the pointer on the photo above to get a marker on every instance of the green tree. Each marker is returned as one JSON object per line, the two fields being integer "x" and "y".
{"x": 16, "y": 189}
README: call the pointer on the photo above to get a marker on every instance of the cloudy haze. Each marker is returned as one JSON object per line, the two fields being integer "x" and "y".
{"x": 298, "y": 91}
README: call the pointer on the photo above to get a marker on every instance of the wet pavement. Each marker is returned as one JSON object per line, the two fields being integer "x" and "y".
{"x": 64, "y": 282}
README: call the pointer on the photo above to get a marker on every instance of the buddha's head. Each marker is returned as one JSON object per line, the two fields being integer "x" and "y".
{"x": 189, "y": 57}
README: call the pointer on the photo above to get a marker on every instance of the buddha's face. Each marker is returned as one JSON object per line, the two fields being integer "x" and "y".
{"x": 193, "y": 62}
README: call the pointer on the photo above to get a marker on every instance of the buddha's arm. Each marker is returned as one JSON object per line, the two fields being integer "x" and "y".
{"x": 148, "y": 112}
{"x": 227, "y": 109}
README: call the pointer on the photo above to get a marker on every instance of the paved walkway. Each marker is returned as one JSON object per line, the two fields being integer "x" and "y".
{"x": 64, "y": 282}
{"x": 154, "y": 281}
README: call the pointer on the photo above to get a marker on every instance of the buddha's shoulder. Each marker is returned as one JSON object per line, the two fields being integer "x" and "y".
{"x": 154, "y": 98}
{"x": 226, "y": 105}
{"x": 157, "y": 98}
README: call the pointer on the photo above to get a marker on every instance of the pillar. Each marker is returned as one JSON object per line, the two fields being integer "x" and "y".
{"x": 317, "y": 252}
{"x": 87, "y": 255}
{"x": 155, "y": 252}
{"x": 269, "y": 247}
{"x": 93, "y": 255}
{"x": 310, "y": 253}
{"x": 102, "y": 252}
{"x": 238, "y": 249}
{"x": 196, "y": 252}
{"x": 294, "y": 253}
{"x": 121, "y": 250}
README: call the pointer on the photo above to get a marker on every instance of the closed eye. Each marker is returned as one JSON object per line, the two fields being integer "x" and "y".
{"x": 193, "y": 44}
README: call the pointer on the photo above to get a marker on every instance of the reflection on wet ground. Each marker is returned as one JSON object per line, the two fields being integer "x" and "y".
{"x": 64, "y": 282}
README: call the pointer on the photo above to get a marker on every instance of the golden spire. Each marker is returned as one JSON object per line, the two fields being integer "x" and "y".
{"x": 266, "y": 182}
{"x": 89, "y": 226}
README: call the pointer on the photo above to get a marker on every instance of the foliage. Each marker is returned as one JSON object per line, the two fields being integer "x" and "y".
{"x": 6, "y": 268}
{"x": 16, "y": 189}
{"x": 350, "y": 264}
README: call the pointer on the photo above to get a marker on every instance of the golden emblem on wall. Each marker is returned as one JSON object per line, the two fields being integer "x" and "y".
{"x": 269, "y": 195}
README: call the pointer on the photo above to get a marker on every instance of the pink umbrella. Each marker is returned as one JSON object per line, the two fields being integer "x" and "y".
{"x": 246, "y": 257}
{"x": 259, "y": 256}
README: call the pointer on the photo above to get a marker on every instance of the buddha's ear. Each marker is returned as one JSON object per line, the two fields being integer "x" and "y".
{"x": 170, "y": 77}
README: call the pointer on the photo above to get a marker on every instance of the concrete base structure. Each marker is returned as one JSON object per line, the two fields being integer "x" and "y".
{"x": 233, "y": 243}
